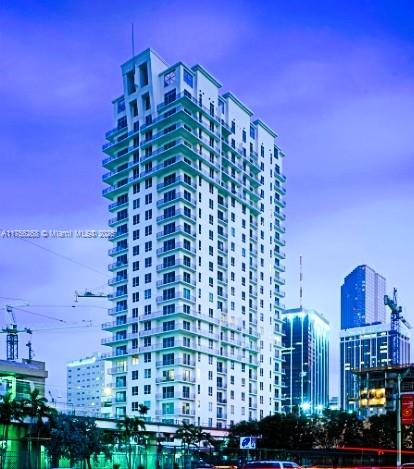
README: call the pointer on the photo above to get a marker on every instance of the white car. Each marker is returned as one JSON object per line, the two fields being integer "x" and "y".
{"x": 271, "y": 465}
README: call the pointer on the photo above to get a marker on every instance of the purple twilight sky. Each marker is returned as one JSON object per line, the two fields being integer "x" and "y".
{"x": 334, "y": 79}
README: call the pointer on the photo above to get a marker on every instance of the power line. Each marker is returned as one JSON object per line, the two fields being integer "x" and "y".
{"x": 53, "y": 306}
{"x": 74, "y": 261}
{"x": 13, "y": 299}
{"x": 67, "y": 306}
{"x": 47, "y": 329}
{"x": 40, "y": 314}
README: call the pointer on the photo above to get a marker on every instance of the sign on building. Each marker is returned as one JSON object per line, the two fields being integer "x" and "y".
{"x": 407, "y": 409}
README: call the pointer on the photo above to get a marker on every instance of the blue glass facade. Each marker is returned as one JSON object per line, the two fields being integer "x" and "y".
{"x": 365, "y": 347}
{"x": 306, "y": 361}
{"x": 362, "y": 298}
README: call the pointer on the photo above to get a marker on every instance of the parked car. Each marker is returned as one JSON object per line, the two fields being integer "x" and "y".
{"x": 271, "y": 465}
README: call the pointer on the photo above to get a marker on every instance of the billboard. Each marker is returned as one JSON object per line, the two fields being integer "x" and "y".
{"x": 407, "y": 409}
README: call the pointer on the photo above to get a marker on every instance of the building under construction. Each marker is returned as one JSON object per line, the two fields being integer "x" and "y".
{"x": 378, "y": 388}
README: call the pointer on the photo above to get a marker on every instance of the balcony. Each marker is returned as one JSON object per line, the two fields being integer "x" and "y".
{"x": 177, "y": 279}
{"x": 280, "y": 281}
{"x": 119, "y": 295}
{"x": 178, "y": 245}
{"x": 120, "y": 156}
{"x": 176, "y": 362}
{"x": 107, "y": 326}
{"x": 119, "y": 236}
{"x": 117, "y": 265}
{"x": 112, "y": 190}
{"x": 117, "y": 205}
{"x": 117, "y": 250}
{"x": 112, "y": 175}
{"x": 181, "y": 330}
{"x": 178, "y": 213}
{"x": 117, "y": 221}
{"x": 177, "y": 229}
{"x": 116, "y": 130}
{"x": 178, "y": 263}
{"x": 176, "y": 378}
{"x": 117, "y": 310}
{"x": 160, "y": 314}
{"x": 178, "y": 296}
{"x": 116, "y": 354}
{"x": 175, "y": 395}
{"x": 117, "y": 280}
{"x": 177, "y": 180}
{"x": 177, "y": 412}
{"x": 116, "y": 370}
{"x": 280, "y": 177}
{"x": 178, "y": 196}
{"x": 279, "y": 268}
{"x": 115, "y": 339}
{"x": 121, "y": 139}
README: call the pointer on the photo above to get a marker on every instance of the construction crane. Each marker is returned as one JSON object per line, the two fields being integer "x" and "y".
{"x": 396, "y": 319}
{"x": 12, "y": 338}
{"x": 90, "y": 294}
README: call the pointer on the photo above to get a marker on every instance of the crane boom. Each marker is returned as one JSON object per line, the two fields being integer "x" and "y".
{"x": 396, "y": 319}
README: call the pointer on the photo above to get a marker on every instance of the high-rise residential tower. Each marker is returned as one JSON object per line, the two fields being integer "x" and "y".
{"x": 196, "y": 191}
{"x": 306, "y": 361}
{"x": 362, "y": 298}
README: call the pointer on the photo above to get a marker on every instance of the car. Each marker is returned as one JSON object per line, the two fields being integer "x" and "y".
{"x": 202, "y": 465}
{"x": 271, "y": 465}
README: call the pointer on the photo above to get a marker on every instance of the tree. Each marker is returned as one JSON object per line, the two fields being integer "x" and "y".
{"x": 243, "y": 428}
{"x": 75, "y": 438}
{"x": 10, "y": 411}
{"x": 380, "y": 431}
{"x": 37, "y": 410}
{"x": 200, "y": 435}
{"x": 187, "y": 433}
{"x": 289, "y": 431}
{"x": 130, "y": 429}
{"x": 143, "y": 409}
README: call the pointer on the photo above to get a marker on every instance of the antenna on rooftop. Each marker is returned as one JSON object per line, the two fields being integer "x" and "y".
{"x": 300, "y": 283}
{"x": 132, "y": 40}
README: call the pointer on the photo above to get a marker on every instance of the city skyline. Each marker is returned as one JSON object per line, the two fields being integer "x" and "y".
{"x": 323, "y": 196}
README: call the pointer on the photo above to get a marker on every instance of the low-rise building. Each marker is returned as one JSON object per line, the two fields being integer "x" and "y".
{"x": 20, "y": 378}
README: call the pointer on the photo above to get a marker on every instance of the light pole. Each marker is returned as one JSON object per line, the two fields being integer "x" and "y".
{"x": 400, "y": 376}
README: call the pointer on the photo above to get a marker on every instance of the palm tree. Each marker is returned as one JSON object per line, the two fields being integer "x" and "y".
{"x": 130, "y": 428}
{"x": 187, "y": 433}
{"x": 200, "y": 435}
{"x": 37, "y": 410}
{"x": 143, "y": 410}
{"x": 10, "y": 410}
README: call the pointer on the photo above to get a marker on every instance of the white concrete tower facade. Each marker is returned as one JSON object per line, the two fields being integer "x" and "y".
{"x": 196, "y": 190}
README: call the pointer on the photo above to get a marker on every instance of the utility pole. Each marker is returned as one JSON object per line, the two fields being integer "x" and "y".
{"x": 400, "y": 376}
{"x": 398, "y": 421}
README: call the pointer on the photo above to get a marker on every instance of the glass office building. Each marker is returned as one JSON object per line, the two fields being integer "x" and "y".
{"x": 306, "y": 361}
{"x": 362, "y": 298}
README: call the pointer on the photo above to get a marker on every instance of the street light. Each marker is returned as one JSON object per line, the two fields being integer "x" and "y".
{"x": 305, "y": 406}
